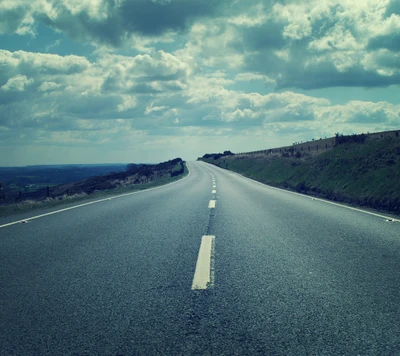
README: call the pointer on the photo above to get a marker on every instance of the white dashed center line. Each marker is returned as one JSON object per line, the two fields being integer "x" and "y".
{"x": 213, "y": 191}
{"x": 203, "y": 275}
{"x": 211, "y": 204}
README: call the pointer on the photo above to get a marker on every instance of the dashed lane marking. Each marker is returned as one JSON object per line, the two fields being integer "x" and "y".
{"x": 214, "y": 192}
{"x": 203, "y": 275}
{"x": 211, "y": 204}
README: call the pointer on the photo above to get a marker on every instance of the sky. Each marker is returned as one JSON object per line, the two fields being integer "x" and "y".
{"x": 106, "y": 81}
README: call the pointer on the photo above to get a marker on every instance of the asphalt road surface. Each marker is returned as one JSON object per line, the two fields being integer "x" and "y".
{"x": 288, "y": 275}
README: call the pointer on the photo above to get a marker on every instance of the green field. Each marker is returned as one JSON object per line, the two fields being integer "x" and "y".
{"x": 364, "y": 174}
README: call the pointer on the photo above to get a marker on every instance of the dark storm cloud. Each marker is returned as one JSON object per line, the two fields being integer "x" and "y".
{"x": 264, "y": 62}
{"x": 390, "y": 42}
{"x": 267, "y": 35}
{"x": 115, "y": 23}
{"x": 297, "y": 73}
{"x": 11, "y": 19}
{"x": 325, "y": 75}
{"x": 153, "y": 18}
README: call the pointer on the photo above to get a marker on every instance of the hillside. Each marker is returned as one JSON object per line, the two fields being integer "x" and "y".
{"x": 134, "y": 177}
{"x": 31, "y": 179}
{"x": 360, "y": 173}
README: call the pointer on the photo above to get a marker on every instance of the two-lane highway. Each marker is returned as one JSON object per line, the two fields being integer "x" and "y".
{"x": 214, "y": 264}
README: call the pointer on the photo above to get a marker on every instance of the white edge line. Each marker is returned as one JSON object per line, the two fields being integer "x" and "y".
{"x": 314, "y": 198}
{"x": 92, "y": 202}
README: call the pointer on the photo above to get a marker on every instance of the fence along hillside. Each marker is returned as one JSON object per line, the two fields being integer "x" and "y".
{"x": 314, "y": 147}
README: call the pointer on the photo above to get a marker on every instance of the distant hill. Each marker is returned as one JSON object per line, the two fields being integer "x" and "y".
{"x": 358, "y": 169}
{"x": 135, "y": 174}
{"x": 41, "y": 182}
{"x": 20, "y": 177}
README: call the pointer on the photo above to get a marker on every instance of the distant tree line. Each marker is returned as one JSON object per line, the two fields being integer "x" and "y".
{"x": 217, "y": 155}
{"x": 178, "y": 171}
{"x": 340, "y": 138}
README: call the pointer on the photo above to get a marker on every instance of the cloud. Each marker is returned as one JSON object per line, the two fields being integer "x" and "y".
{"x": 59, "y": 90}
{"x": 143, "y": 73}
{"x": 265, "y": 35}
{"x": 53, "y": 45}
{"x": 113, "y": 22}
{"x": 17, "y": 83}
{"x": 106, "y": 22}
{"x": 169, "y": 70}
{"x": 48, "y": 86}
{"x": 16, "y": 17}
{"x": 383, "y": 62}
{"x": 249, "y": 109}
{"x": 324, "y": 40}
{"x": 364, "y": 113}
{"x": 311, "y": 45}
{"x": 151, "y": 109}
{"x": 40, "y": 64}
{"x": 393, "y": 8}
{"x": 391, "y": 42}
{"x": 212, "y": 43}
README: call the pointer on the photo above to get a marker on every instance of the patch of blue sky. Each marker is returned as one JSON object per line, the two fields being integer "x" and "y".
{"x": 46, "y": 40}
{"x": 342, "y": 95}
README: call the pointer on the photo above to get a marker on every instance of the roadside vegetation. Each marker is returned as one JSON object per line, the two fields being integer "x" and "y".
{"x": 360, "y": 173}
{"x": 135, "y": 178}
{"x": 31, "y": 179}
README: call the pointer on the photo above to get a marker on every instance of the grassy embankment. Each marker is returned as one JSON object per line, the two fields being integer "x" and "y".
{"x": 168, "y": 175}
{"x": 362, "y": 174}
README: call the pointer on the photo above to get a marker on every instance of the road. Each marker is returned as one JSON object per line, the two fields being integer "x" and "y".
{"x": 288, "y": 275}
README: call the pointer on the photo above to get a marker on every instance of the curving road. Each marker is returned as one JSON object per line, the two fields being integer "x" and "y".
{"x": 277, "y": 274}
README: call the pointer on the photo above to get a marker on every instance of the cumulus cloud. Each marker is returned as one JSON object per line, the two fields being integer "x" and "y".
{"x": 16, "y": 16}
{"x": 321, "y": 38}
{"x": 47, "y": 86}
{"x": 320, "y": 44}
{"x": 364, "y": 113}
{"x": 143, "y": 73}
{"x": 165, "y": 68}
{"x": 246, "y": 77}
{"x": 17, "y": 83}
{"x": 32, "y": 63}
{"x": 64, "y": 89}
{"x": 105, "y": 21}
{"x": 151, "y": 109}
